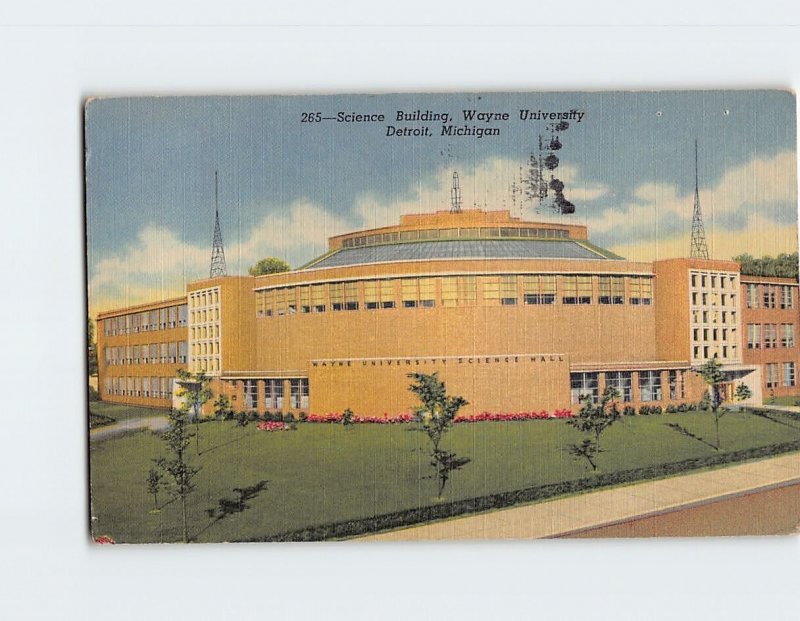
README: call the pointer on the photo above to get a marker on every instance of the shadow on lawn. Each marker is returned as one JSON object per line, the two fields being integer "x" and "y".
{"x": 685, "y": 432}
{"x": 232, "y": 506}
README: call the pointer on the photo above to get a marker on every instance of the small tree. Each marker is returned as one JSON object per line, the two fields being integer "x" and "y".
{"x": 436, "y": 417}
{"x": 270, "y": 265}
{"x": 222, "y": 408}
{"x": 588, "y": 450}
{"x": 595, "y": 419}
{"x": 194, "y": 393}
{"x": 743, "y": 392}
{"x": 181, "y": 472}
{"x": 347, "y": 417}
{"x": 155, "y": 480}
{"x": 714, "y": 376}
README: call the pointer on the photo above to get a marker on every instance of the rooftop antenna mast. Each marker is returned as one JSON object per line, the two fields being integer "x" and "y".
{"x": 455, "y": 195}
{"x": 217, "y": 252}
{"x": 699, "y": 248}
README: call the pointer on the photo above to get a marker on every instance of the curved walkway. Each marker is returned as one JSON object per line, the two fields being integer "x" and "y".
{"x": 154, "y": 423}
{"x": 575, "y": 514}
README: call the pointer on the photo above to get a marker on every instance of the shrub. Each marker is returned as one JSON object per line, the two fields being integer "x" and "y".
{"x": 93, "y": 394}
{"x": 241, "y": 419}
{"x": 303, "y": 417}
{"x": 629, "y": 410}
{"x": 656, "y": 409}
{"x": 672, "y": 408}
{"x": 289, "y": 418}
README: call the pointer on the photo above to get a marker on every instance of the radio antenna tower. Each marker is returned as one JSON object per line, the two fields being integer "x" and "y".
{"x": 699, "y": 247}
{"x": 217, "y": 252}
{"x": 455, "y": 195}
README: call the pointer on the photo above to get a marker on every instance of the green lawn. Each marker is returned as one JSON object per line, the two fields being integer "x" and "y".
{"x": 326, "y": 473}
{"x": 782, "y": 401}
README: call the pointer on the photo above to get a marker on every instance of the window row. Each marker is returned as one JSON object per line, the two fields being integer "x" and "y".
{"x": 143, "y": 387}
{"x": 206, "y": 297}
{"x": 713, "y": 281}
{"x": 769, "y": 335}
{"x": 780, "y": 374}
{"x": 584, "y": 385}
{"x": 206, "y": 364}
{"x": 154, "y": 353}
{"x": 205, "y": 316}
{"x": 210, "y": 331}
{"x": 769, "y": 296}
{"x": 710, "y": 317}
{"x": 272, "y": 394}
{"x": 454, "y": 233}
{"x": 722, "y": 350}
{"x": 147, "y": 321}
{"x": 451, "y": 291}
{"x": 702, "y": 298}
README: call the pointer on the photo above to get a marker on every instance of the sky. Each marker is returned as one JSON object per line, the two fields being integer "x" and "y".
{"x": 286, "y": 185}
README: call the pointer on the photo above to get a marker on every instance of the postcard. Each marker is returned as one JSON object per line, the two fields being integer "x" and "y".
{"x": 442, "y": 316}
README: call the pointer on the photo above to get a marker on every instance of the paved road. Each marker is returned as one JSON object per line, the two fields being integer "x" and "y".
{"x": 771, "y": 512}
{"x": 154, "y": 423}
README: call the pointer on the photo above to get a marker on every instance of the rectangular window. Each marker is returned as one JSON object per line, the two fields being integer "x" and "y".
{"x": 173, "y": 316}
{"x": 576, "y": 289}
{"x": 280, "y": 301}
{"x": 650, "y": 385}
{"x": 182, "y": 313}
{"x": 295, "y": 395}
{"x": 788, "y": 374}
{"x": 676, "y": 385}
{"x": 408, "y": 287}
{"x": 336, "y": 292}
{"x": 771, "y": 374}
{"x": 162, "y": 318}
{"x": 611, "y": 289}
{"x": 128, "y": 355}
{"x": 641, "y": 290}
{"x": 751, "y": 296}
{"x": 182, "y": 351}
{"x": 491, "y": 290}
{"x": 508, "y": 290}
{"x": 144, "y": 322}
{"x": 135, "y": 354}
{"x": 129, "y": 385}
{"x": 467, "y": 290}
{"x": 146, "y": 386}
{"x": 449, "y": 292}
{"x": 163, "y": 353}
{"x": 753, "y": 336}
{"x": 107, "y": 385}
{"x": 427, "y": 292}
{"x": 114, "y": 385}
{"x": 173, "y": 353}
{"x": 138, "y": 386}
{"x": 769, "y": 296}
{"x": 250, "y": 394}
{"x": 318, "y": 298}
{"x": 153, "y": 353}
{"x": 621, "y": 380}
{"x": 787, "y": 297}
{"x": 770, "y": 335}
{"x": 582, "y": 385}
{"x": 351, "y": 295}
{"x": 277, "y": 391}
{"x": 539, "y": 289}
{"x": 304, "y": 299}
{"x": 787, "y": 335}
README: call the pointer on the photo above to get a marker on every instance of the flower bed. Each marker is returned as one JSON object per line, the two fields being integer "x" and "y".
{"x": 271, "y": 426}
{"x": 333, "y": 417}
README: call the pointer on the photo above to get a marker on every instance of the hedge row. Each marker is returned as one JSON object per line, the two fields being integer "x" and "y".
{"x": 410, "y": 517}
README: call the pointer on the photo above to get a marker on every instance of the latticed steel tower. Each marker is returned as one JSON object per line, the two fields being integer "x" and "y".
{"x": 217, "y": 252}
{"x": 699, "y": 248}
{"x": 455, "y": 195}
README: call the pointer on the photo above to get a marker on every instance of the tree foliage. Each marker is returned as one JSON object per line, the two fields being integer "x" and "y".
{"x": 180, "y": 472}
{"x": 269, "y": 265}
{"x": 714, "y": 376}
{"x": 784, "y": 265}
{"x": 595, "y": 419}
{"x": 435, "y": 417}
{"x": 194, "y": 393}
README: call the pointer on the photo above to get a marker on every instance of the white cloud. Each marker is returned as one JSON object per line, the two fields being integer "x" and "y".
{"x": 157, "y": 264}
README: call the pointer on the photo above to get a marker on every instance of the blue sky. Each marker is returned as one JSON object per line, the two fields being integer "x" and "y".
{"x": 285, "y": 186}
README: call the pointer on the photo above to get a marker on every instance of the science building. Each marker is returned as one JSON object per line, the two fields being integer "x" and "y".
{"x": 515, "y": 316}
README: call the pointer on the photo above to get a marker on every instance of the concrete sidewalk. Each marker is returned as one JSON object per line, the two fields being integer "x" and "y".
{"x": 577, "y": 513}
